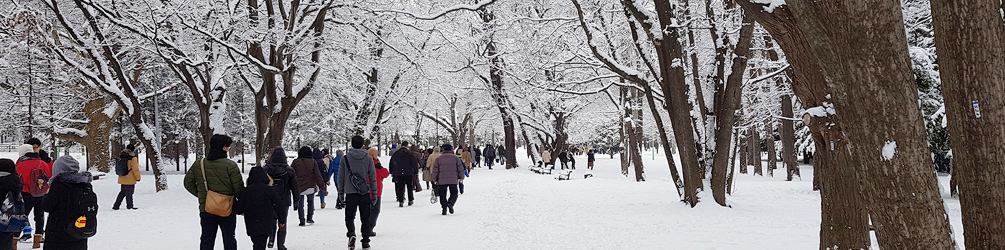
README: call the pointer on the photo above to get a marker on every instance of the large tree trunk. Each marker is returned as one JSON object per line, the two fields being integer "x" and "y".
{"x": 873, "y": 88}
{"x": 726, "y": 105}
{"x": 969, "y": 36}
{"x": 754, "y": 143}
{"x": 788, "y": 133}
{"x": 844, "y": 222}
{"x": 99, "y": 130}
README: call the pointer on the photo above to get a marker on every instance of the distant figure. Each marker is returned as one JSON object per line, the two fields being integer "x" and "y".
{"x": 381, "y": 173}
{"x": 501, "y": 154}
{"x": 404, "y": 167}
{"x": 260, "y": 206}
{"x": 447, "y": 171}
{"x": 332, "y": 172}
{"x": 590, "y": 158}
{"x": 490, "y": 155}
{"x": 546, "y": 158}
{"x": 563, "y": 157}
{"x": 128, "y": 158}
{"x": 322, "y": 164}
{"x": 309, "y": 181}
{"x": 427, "y": 172}
{"x": 477, "y": 154}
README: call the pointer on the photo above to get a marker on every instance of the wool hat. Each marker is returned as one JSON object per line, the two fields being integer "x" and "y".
{"x": 24, "y": 149}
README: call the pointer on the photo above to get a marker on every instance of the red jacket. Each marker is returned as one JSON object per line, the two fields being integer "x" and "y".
{"x": 24, "y": 170}
{"x": 381, "y": 174}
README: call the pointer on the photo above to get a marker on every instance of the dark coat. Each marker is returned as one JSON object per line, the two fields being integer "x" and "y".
{"x": 563, "y": 156}
{"x": 319, "y": 160}
{"x": 590, "y": 157}
{"x": 56, "y": 203}
{"x": 259, "y": 204}
{"x": 447, "y": 169}
{"x": 403, "y": 165}
{"x": 490, "y": 152}
{"x": 280, "y": 171}
{"x": 308, "y": 175}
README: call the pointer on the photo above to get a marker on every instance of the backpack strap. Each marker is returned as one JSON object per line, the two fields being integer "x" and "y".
{"x": 205, "y": 183}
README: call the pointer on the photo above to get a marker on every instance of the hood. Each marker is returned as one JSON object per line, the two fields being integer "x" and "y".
{"x": 317, "y": 154}
{"x": 67, "y": 169}
{"x": 339, "y": 153}
{"x": 304, "y": 152}
{"x": 258, "y": 175}
{"x": 126, "y": 154}
{"x": 278, "y": 156}
{"x": 7, "y": 166}
{"x": 357, "y": 154}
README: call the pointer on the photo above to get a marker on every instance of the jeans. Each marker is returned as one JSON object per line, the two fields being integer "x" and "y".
{"x": 441, "y": 190}
{"x": 374, "y": 212}
{"x": 404, "y": 184}
{"x": 321, "y": 196}
{"x": 362, "y": 203}
{"x": 280, "y": 234}
{"x": 310, "y": 207}
{"x": 210, "y": 223}
{"x": 127, "y": 193}
{"x": 35, "y": 203}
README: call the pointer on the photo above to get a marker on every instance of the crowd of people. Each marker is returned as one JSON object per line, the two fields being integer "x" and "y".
{"x": 357, "y": 175}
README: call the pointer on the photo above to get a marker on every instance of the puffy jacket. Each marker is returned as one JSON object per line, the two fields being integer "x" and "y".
{"x": 447, "y": 169}
{"x": 403, "y": 163}
{"x": 58, "y": 204}
{"x": 9, "y": 180}
{"x": 490, "y": 152}
{"x": 259, "y": 204}
{"x": 222, "y": 176}
{"x": 360, "y": 163}
{"x": 134, "y": 171}
{"x": 308, "y": 175}
{"x": 333, "y": 169}
{"x": 381, "y": 173}
{"x": 26, "y": 164}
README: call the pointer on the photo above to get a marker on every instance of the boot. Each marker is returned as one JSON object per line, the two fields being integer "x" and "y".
{"x": 410, "y": 203}
{"x": 37, "y": 242}
{"x": 402, "y": 204}
{"x": 15, "y": 243}
{"x": 281, "y": 238}
{"x": 322, "y": 205}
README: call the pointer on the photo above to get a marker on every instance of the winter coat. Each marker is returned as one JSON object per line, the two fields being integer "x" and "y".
{"x": 501, "y": 151}
{"x": 134, "y": 169}
{"x": 477, "y": 153}
{"x": 403, "y": 165}
{"x": 319, "y": 157}
{"x": 381, "y": 173}
{"x": 259, "y": 204}
{"x": 9, "y": 180}
{"x": 358, "y": 162}
{"x": 26, "y": 164}
{"x": 427, "y": 174}
{"x": 590, "y": 157}
{"x": 546, "y": 156}
{"x": 333, "y": 169}
{"x": 466, "y": 157}
{"x": 308, "y": 176}
{"x": 57, "y": 204}
{"x": 222, "y": 176}
{"x": 448, "y": 169}
{"x": 281, "y": 172}
{"x": 563, "y": 156}
{"x": 490, "y": 152}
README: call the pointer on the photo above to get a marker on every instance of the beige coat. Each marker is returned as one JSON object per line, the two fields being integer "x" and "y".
{"x": 427, "y": 173}
{"x": 546, "y": 156}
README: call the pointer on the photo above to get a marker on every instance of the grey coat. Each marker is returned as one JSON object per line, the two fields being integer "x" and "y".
{"x": 361, "y": 164}
{"x": 447, "y": 169}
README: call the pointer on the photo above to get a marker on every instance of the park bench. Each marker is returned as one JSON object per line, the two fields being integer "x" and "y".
{"x": 564, "y": 175}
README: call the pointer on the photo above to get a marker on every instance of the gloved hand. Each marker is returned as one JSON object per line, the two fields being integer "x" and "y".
{"x": 374, "y": 202}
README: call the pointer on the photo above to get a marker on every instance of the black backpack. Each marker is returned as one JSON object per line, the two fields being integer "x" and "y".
{"x": 82, "y": 211}
{"x": 279, "y": 183}
{"x": 122, "y": 166}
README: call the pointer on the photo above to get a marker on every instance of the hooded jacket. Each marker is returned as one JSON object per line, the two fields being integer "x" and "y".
{"x": 319, "y": 159}
{"x": 306, "y": 168}
{"x": 359, "y": 163}
{"x": 26, "y": 164}
{"x": 281, "y": 172}
{"x": 334, "y": 165}
{"x": 134, "y": 168}
{"x": 9, "y": 180}
{"x": 447, "y": 169}
{"x": 259, "y": 204}
{"x": 67, "y": 178}
{"x": 403, "y": 164}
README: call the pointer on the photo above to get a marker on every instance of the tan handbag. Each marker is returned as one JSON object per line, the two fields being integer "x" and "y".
{"x": 216, "y": 203}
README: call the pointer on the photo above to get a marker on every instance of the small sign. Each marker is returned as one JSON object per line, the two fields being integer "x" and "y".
{"x": 832, "y": 145}
{"x": 977, "y": 110}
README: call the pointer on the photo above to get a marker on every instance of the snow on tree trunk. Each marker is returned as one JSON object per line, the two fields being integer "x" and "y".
{"x": 772, "y": 153}
{"x": 788, "y": 134}
{"x": 725, "y": 111}
{"x": 873, "y": 88}
{"x": 744, "y": 151}
{"x": 969, "y": 37}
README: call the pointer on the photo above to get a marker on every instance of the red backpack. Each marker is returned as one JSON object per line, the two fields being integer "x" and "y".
{"x": 40, "y": 186}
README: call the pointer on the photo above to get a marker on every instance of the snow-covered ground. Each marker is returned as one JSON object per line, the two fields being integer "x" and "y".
{"x": 517, "y": 209}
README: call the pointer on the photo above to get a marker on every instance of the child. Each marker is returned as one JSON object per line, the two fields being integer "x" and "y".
{"x": 260, "y": 205}
{"x": 70, "y": 193}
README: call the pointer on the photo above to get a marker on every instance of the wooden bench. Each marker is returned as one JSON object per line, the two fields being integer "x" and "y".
{"x": 564, "y": 175}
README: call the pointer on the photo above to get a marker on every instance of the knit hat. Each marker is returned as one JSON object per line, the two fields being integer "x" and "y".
{"x": 339, "y": 153}
{"x": 7, "y": 165}
{"x": 24, "y": 149}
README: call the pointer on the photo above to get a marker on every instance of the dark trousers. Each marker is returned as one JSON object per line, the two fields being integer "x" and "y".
{"x": 565, "y": 164}
{"x": 35, "y": 203}
{"x": 441, "y": 190}
{"x": 502, "y": 159}
{"x": 126, "y": 192}
{"x": 210, "y": 223}
{"x": 310, "y": 207}
{"x": 477, "y": 162}
{"x": 374, "y": 212}
{"x": 489, "y": 161}
{"x": 258, "y": 242}
{"x": 460, "y": 186}
{"x": 359, "y": 202}
{"x": 281, "y": 218}
{"x": 5, "y": 244}
{"x": 404, "y": 184}
{"x": 573, "y": 163}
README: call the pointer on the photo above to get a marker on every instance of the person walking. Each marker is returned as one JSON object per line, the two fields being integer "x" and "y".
{"x": 319, "y": 159}
{"x": 260, "y": 206}
{"x": 129, "y": 180}
{"x": 284, "y": 182}
{"x": 10, "y": 184}
{"x": 404, "y": 166}
{"x": 218, "y": 174}
{"x": 563, "y": 157}
{"x": 427, "y": 172}
{"x": 590, "y": 158}
{"x": 325, "y": 170}
{"x": 381, "y": 173}
{"x": 309, "y": 182}
{"x": 447, "y": 171}
{"x": 501, "y": 154}
{"x": 477, "y": 154}
{"x": 332, "y": 172}
{"x": 34, "y": 172}
{"x": 357, "y": 177}
{"x": 72, "y": 206}
{"x": 490, "y": 155}
{"x": 546, "y": 158}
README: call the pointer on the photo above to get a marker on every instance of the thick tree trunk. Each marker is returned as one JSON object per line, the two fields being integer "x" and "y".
{"x": 725, "y": 111}
{"x": 969, "y": 36}
{"x": 844, "y": 218}
{"x": 744, "y": 152}
{"x": 755, "y": 150}
{"x": 98, "y": 139}
{"x": 788, "y": 133}
{"x": 873, "y": 88}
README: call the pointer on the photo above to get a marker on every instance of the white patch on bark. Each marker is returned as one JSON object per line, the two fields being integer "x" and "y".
{"x": 889, "y": 150}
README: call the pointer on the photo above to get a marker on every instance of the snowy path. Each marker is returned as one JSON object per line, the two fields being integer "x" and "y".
{"x": 517, "y": 209}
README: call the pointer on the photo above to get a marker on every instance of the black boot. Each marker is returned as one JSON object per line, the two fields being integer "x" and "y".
{"x": 451, "y": 207}
{"x": 444, "y": 211}
{"x": 402, "y": 204}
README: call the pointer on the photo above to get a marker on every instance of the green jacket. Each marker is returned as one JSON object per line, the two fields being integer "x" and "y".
{"x": 222, "y": 176}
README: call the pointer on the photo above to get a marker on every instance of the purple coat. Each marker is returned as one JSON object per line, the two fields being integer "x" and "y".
{"x": 447, "y": 169}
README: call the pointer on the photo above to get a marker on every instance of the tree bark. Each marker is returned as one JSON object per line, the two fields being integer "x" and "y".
{"x": 725, "y": 111}
{"x": 873, "y": 88}
{"x": 744, "y": 152}
{"x": 788, "y": 133}
{"x": 844, "y": 218}
{"x": 755, "y": 150}
{"x": 772, "y": 153}
{"x": 98, "y": 129}
{"x": 969, "y": 36}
